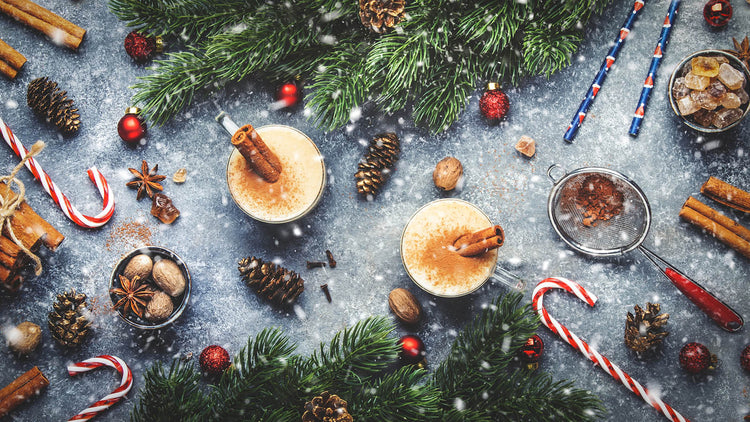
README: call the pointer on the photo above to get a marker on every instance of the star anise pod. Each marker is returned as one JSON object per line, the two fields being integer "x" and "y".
{"x": 146, "y": 181}
{"x": 133, "y": 295}
{"x": 741, "y": 50}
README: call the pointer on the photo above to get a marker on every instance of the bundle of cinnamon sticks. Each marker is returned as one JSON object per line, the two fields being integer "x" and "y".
{"x": 11, "y": 61}
{"x": 480, "y": 241}
{"x": 58, "y": 29}
{"x": 723, "y": 228}
{"x": 32, "y": 231}
{"x": 21, "y": 389}
{"x": 259, "y": 157}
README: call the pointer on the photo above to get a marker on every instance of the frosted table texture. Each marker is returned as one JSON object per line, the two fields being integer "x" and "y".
{"x": 668, "y": 160}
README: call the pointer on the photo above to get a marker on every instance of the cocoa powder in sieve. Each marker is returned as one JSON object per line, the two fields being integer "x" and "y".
{"x": 598, "y": 199}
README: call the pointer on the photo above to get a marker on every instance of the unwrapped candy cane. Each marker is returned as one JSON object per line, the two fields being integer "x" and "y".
{"x": 588, "y": 351}
{"x": 108, "y": 208}
{"x": 125, "y": 384}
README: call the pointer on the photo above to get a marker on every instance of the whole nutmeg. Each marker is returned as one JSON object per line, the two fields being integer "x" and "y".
{"x": 168, "y": 276}
{"x": 159, "y": 308}
{"x": 447, "y": 173}
{"x": 405, "y": 306}
{"x": 24, "y": 338}
{"x": 139, "y": 265}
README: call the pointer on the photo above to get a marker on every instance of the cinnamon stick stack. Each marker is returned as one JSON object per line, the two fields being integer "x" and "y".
{"x": 59, "y": 30}
{"x": 32, "y": 231}
{"x": 11, "y": 61}
{"x": 21, "y": 389}
{"x": 260, "y": 158}
{"x": 480, "y": 241}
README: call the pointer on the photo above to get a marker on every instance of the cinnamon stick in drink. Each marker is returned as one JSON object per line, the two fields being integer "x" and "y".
{"x": 481, "y": 247}
{"x": 11, "y": 61}
{"x": 21, "y": 389}
{"x": 260, "y": 158}
{"x": 724, "y": 193}
{"x": 720, "y": 226}
{"x": 479, "y": 236}
{"x": 52, "y": 25}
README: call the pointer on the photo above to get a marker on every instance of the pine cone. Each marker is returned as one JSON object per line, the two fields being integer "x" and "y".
{"x": 46, "y": 99}
{"x": 644, "y": 331}
{"x": 379, "y": 16}
{"x": 326, "y": 408}
{"x": 382, "y": 155}
{"x": 275, "y": 283}
{"x": 67, "y": 322}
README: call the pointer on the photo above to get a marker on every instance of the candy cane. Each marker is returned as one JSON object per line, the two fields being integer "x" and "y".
{"x": 588, "y": 351}
{"x": 110, "y": 399}
{"x": 53, "y": 190}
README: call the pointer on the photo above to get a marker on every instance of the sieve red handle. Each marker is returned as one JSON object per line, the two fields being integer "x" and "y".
{"x": 717, "y": 310}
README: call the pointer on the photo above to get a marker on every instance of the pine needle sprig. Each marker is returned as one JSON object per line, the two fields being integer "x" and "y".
{"x": 169, "y": 393}
{"x": 393, "y": 398}
{"x": 547, "y": 52}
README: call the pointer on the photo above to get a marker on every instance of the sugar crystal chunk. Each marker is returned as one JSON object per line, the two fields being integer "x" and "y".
{"x": 716, "y": 90}
{"x": 686, "y": 69}
{"x": 744, "y": 97}
{"x": 704, "y": 100}
{"x": 163, "y": 209}
{"x": 687, "y": 106}
{"x": 705, "y": 66}
{"x": 704, "y": 117}
{"x": 720, "y": 59}
{"x": 679, "y": 89}
{"x": 727, "y": 116}
{"x": 698, "y": 82}
{"x": 731, "y": 100}
{"x": 731, "y": 77}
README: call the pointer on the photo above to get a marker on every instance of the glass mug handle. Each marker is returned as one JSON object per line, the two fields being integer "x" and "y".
{"x": 509, "y": 279}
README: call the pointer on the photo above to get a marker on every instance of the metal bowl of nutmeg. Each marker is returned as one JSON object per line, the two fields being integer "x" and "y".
{"x": 150, "y": 287}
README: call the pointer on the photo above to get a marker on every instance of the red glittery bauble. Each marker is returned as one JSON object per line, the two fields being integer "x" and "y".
{"x": 745, "y": 358}
{"x": 131, "y": 127}
{"x": 717, "y": 12}
{"x": 412, "y": 349}
{"x": 141, "y": 47}
{"x": 695, "y": 358}
{"x": 214, "y": 360}
{"x": 289, "y": 95}
{"x": 494, "y": 103}
{"x": 532, "y": 351}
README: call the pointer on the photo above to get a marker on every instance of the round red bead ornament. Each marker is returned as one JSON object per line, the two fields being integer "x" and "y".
{"x": 131, "y": 126}
{"x": 214, "y": 360}
{"x": 494, "y": 104}
{"x": 696, "y": 358}
{"x": 717, "y": 13}
{"x": 532, "y": 351}
{"x": 142, "y": 47}
{"x": 412, "y": 350}
{"x": 289, "y": 95}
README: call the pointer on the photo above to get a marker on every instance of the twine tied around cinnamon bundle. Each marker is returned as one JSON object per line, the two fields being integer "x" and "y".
{"x": 8, "y": 206}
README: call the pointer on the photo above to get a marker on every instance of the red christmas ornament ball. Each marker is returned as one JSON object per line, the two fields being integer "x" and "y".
{"x": 289, "y": 95}
{"x": 532, "y": 350}
{"x": 745, "y": 358}
{"x": 494, "y": 104}
{"x": 214, "y": 360}
{"x": 131, "y": 127}
{"x": 696, "y": 358}
{"x": 717, "y": 12}
{"x": 412, "y": 349}
{"x": 142, "y": 47}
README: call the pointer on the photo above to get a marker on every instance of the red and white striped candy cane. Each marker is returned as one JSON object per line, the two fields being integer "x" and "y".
{"x": 125, "y": 384}
{"x": 588, "y": 351}
{"x": 108, "y": 208}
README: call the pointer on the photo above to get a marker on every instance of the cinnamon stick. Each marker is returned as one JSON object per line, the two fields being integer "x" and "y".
{"x": 14, "y": 283}
{"x": 52, "y": 25}
{"x": 10, "y": 254}
{"x": 21, "y": 389}
{"x": 720, "y": 226}
{"x": 260, "y": 158}
{"x": 724, "y": 193}
{"x": 479, "y": 236}
{"x": 31, "y": 229}
{"x": 11, "y": 61}
{"x": 481, "y": 247}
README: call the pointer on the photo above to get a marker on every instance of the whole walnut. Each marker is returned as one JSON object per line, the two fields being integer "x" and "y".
{"x": 24, "y": 338}
{"x": 447, "y": 174}
{"x": 159, "y": 308}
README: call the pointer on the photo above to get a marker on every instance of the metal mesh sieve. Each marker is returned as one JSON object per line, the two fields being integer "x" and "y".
{"x": 621, "y": 233}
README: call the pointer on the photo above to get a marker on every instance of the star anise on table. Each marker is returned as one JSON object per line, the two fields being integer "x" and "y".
{"x": 133, "y": 294}
{"x": 146, "y": 181}
{"x": 741, "y": 51}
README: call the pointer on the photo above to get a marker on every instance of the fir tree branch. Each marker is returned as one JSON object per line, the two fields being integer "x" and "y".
{"x": 393, "y": 397}
{"x": 547, "y": 52}
{"x": 166, "y": 394}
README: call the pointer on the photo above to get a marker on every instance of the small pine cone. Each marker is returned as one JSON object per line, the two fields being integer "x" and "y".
{"x": 326, "y": 408}
{"x": 68, "y": 322}
{"x": 46, "y": 99}
{"x": 275, "y": 283}
{"x": 379, "y": 16}
{"x": 382, "y": 155}
{"x": 644, "y": 331}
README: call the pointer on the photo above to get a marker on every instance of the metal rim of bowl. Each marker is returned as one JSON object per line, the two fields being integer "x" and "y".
{"x": 164, "y": 253}
{"x": 401, "y": 248}
{"x": 303, "y": 213}
{"x": 673, "y": 77}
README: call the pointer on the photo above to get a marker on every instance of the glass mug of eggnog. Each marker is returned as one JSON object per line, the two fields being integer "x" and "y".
{"x": 449, "y": 249}
{"x": 277, "y": 176}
